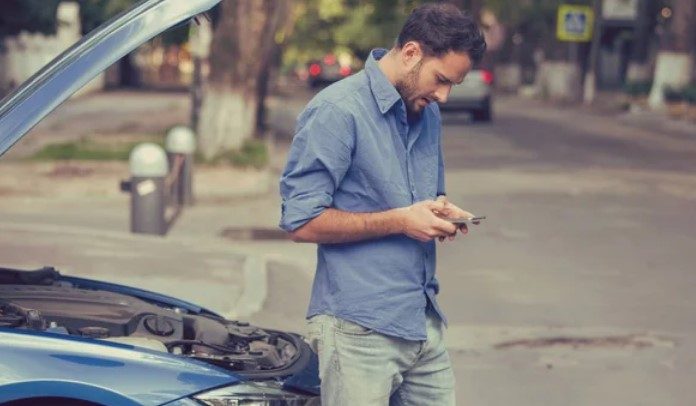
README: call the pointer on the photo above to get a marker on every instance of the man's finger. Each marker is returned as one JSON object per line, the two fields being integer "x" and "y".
{"x": 445, "y": 227}
{"x": 464, "y": 229}
{"x": 438, "y": 205}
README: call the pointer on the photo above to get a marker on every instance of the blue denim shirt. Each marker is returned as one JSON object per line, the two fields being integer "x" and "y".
{"x": 354, "y": 150}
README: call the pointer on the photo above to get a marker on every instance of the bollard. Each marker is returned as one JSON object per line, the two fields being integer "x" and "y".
{"x": 148, "y": 167}
{"x": 181, "y": 141}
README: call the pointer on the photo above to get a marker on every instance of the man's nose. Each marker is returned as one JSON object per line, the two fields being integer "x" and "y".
{"x": 442, "y": 93}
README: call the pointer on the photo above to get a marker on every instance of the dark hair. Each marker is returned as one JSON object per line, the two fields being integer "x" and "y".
{"x": 440, "y": 28}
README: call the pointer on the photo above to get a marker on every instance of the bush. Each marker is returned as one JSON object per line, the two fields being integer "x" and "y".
{"x": 690, "y": 93}
{"x": 253, "y": 153}
{"x": 673, "y": 95}
{"x": 676, "y": 95}
{"x": 638, "y": 88}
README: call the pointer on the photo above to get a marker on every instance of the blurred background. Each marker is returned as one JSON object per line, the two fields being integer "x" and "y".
{"x": 575, "y": 136}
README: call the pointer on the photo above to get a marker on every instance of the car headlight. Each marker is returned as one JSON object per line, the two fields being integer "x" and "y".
{"x": 256, "y": 394}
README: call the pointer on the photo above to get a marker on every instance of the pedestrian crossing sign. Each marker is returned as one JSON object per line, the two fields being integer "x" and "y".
{"x": 574, "y": 23}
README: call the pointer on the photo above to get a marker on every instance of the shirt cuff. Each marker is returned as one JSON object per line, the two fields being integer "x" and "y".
{"x": 299, "y": 210}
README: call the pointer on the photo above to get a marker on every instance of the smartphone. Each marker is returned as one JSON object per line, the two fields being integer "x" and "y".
{"x": 465, "y": 220}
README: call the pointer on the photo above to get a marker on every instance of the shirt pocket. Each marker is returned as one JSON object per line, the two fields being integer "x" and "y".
{"x": 386, "y": 188}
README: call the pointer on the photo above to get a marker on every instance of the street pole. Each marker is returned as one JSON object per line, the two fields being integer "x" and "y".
{"x": 591, "y": 75}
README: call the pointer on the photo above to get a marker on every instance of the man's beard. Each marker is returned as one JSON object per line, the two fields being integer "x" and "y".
{"x": 408, "y": 88}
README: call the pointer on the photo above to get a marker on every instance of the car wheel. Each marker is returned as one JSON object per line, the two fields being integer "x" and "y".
{"x": 484, "y": 114}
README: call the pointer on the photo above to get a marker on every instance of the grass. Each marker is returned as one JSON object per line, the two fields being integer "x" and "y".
{"x": 252, "y": 154}
{"x": 90, "y": 150}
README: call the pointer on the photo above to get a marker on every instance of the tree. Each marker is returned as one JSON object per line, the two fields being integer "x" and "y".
{"x": 40, "y": 15}
{"x": 345, "y": 26}
{"x": 245, "y": 40}
{"x": 674, "y": 63}
{"x": 27, "y": 15}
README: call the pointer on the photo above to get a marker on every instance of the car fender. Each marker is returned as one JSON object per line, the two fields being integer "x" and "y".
{"x": 87, "y": 367}
{"x": 63, "y": 389}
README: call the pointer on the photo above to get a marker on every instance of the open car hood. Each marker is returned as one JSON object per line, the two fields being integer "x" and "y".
{"x": 43, "y": 301}
{"x": 68, "y": 72}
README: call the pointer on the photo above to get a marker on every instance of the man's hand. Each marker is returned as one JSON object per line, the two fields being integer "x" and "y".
{"x": 419, "y": 221}
{"x": 450, "y": 210}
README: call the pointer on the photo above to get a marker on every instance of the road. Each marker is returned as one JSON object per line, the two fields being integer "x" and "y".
{"x": 577, "y": 289}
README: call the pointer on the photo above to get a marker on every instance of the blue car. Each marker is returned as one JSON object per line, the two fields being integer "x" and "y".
{"x": 67, "y": 340}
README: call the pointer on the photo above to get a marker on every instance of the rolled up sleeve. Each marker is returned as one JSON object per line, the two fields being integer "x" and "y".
{"x": 319, "y": 158}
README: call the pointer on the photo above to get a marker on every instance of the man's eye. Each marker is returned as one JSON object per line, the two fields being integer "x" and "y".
{"x": 443, "y": 81}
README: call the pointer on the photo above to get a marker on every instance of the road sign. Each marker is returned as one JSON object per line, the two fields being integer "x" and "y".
{"x": 574, "y": 23}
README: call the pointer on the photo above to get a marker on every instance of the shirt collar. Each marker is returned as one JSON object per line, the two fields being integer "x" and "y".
{"x": 382, "y": 89}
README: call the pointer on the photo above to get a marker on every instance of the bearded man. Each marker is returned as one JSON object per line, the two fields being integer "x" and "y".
{"x": 365, "y": 180}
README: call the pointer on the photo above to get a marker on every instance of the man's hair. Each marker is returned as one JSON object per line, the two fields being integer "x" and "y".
{"x": 440, "y": 28}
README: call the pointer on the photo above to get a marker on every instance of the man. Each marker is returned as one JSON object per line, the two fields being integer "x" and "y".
{"x": 365, "y": 181}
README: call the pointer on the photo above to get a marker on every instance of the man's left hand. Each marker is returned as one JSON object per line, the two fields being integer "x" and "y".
{"x": 452, "y": 211}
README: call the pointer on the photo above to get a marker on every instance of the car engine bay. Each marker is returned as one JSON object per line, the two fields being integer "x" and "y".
{"x": 39, "y": 302}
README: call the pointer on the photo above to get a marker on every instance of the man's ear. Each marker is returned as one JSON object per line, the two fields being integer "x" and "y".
{"x": 411, "y": 53}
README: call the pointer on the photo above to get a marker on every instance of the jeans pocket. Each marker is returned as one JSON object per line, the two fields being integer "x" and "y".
{"x": 315, "y": 333}
{"x": 350, "y": 328}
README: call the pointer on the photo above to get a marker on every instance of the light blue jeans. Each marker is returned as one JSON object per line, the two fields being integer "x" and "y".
{"x": 358, "y": 366}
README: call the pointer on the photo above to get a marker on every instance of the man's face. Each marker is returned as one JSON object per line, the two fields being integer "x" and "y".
{"x": 429, "y": 79}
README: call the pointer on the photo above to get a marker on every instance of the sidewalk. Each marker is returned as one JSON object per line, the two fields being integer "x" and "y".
{"x": 72, "y": 215}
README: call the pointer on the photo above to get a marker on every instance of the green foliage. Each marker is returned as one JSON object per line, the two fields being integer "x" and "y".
{"x": 252, "y": 154}
{"x": 90, "y": 150}
{"x": 638, "y": 88}
{"x": 40, "y": 15}
{"x": 690, "y": 93}
{"x": 675, "y": 95}
{"x": 95, "y": 12}
{"x": 27, "y": 15}
{"x": 353, "y": 26}
{"x": 534, "y": 21}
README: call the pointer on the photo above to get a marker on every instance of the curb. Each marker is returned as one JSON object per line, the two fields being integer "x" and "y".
{"x": 254, "y": 287}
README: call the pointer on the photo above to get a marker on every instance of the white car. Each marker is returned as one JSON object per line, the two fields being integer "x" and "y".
{"x": 473, "y": 94}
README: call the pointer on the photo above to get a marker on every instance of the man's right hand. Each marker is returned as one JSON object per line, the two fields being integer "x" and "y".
{"x": 420, "y": 222}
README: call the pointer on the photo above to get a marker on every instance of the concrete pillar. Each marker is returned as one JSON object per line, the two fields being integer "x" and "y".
{"x": 181, "y": 142}
{"x": 148, "y": 167}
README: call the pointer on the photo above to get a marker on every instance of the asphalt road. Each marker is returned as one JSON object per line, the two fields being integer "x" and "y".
{"x": 578, "y": 288}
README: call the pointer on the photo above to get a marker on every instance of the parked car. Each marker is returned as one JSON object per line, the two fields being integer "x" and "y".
{"x": 326, "y": 71}
{"x": 473, "y": 95}
{"x": 69, "y": 340}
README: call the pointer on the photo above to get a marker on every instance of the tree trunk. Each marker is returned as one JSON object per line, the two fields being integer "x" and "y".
{"x": 675, "y": 63}
{"x": 241, "y": 51}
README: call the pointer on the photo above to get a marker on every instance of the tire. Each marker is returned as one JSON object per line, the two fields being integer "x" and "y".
{"x": 485, "y": 113}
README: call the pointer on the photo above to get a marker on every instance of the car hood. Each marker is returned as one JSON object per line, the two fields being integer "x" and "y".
{"x": 68, "y": 72}
{"x": 42, "y": 302}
